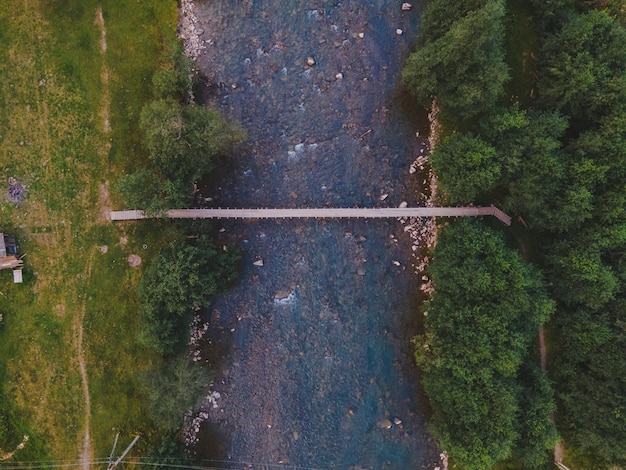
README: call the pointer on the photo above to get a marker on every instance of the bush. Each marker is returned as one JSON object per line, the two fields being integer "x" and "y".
{"x": 187, "y": 274}
{"x": 174, "y": 389}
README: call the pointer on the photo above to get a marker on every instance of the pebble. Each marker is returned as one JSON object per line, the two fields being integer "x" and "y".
{"x": 399, "y": 32}
{"x": 258, "y": 262}
{"x": 384, "y": 424}
{"x": 339, "y": 76}
{"x": 406, "y": 6}
{"x": 310, "y": 61}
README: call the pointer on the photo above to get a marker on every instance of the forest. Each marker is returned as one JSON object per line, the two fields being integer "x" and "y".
{"x": 541, "y": 132}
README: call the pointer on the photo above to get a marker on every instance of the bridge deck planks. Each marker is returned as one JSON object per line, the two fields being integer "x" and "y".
{"x": 321, "y": 213}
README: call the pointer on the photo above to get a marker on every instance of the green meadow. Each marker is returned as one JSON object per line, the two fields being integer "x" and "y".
{"x": 75, "y": 74}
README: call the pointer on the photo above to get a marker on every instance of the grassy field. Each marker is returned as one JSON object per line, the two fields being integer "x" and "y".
{"x": 59, "y": 85}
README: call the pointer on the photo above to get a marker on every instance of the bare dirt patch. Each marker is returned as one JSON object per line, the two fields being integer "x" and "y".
{"x": 104, "y": 203}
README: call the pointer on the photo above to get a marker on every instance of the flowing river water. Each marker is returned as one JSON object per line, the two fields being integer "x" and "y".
{"x": 311, "y": 350}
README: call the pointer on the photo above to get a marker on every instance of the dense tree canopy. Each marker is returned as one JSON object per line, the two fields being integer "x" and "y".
{"x": 561, "y": 166}
{"x": 465, "y": 67}
{"x": 467, "y": 166}
{"x": 583, "y": 67}
{"x": 481, "y": 322}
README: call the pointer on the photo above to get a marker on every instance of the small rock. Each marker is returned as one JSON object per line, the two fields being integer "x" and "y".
{"x": 406, "y": 6}
{"x": 384, "y": 424}
{"x": 339, "y": 76}
{"x": 310, "y": 61}
{"x": 403, "y": 204}
{"x": 360, "y": 272}
{"x": 383, "y": 197}
{"x": 104, "y": 249}
{"x": 399, "y": 32}
{"x": 396, "y": 263}
{"x": 361, "y": 35}
{"x": 258, "y": 262}
{"x": 397, "y": 421}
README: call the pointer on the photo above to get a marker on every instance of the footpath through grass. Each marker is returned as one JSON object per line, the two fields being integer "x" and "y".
{"x": 58, "y": 85}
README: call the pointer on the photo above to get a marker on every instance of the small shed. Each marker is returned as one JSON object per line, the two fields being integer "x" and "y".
{"x": 8, "y": 256}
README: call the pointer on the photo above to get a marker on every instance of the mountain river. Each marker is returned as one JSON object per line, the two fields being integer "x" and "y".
{"x": 311, "y": 349}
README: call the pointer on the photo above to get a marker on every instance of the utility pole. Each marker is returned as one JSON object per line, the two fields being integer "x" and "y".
{"x": 113, "y": 451}
{"x": 112, "y": 465}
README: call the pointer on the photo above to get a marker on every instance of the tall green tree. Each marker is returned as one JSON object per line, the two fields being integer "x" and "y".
{"x": 186, "y": 275}
{"x": 184, "y": 141}
{"x": 467, "y": 167}
{"x": 464, "y": 68}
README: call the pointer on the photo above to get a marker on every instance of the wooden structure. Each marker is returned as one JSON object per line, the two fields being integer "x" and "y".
{"x": 320, "y": 213}
{"x": 8, "y": 256}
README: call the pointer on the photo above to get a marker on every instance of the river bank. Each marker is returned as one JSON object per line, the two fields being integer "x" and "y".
{"x": 312, "y": 349}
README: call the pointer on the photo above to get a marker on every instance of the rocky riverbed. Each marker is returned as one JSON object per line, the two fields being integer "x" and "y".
{"x": 312, "y": 348}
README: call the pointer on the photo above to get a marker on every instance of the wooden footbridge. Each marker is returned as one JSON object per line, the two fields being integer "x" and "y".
{"x": 320, "y": 213}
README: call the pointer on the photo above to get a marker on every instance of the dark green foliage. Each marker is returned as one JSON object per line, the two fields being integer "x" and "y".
{"x": 12, "y": 431}
{"x": 440, "y": 16}
{"x": 467, "y": 166}
{"x": 185, "y": 140}
{"x": 537, "y": 433}
{"x": 173, "y": 81}
{"x": 592, "y": 381}
{"x": 581, "y": 275}
{"x": 148, "y": 190}
{"x": 529, "y": 146}
{"x": 6, "y": 432}
{"x": 186, "y": 275}
{"x": 561, "y": 166}
{"x": 481, "y": 322}
{"x": 172, "y": 390}
{"x": 583, "y": 67}
{"x": 170, "y": 450}
{"x": 464, "y": 68}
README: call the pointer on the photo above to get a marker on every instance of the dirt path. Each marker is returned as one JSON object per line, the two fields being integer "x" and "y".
{"x": 87, "y": 452}
{"x": 542, "y": 349}
{"x": 559, "y": 449}
{"x": 104, "y": 74}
